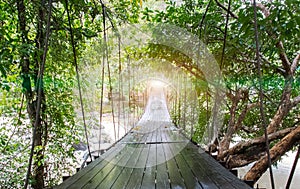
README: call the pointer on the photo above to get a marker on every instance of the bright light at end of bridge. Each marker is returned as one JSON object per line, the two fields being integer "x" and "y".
{"x": 157, "y": 84}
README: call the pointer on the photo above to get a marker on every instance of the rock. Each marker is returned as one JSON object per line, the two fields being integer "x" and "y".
{"x": 80, "y": 146}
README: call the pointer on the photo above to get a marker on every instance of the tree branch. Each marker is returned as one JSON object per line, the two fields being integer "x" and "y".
{"x": 284, "y": 59}
{"x": 203, "y": 17}
{"x": 277, "y": 69}
{"x": 263, "y": 9}
{"x": 242, "y": 116}
{"x": 276, "y": 152}
{"x": 295, "y": 63}
{"x": 224, "y": 8}
{"x": 242, "y": 146}
{"x": 296, "y": 101}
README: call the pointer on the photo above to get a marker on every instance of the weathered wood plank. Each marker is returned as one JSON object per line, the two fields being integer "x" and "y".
{"x": 220, "y": 176}
{"x": 162, "y": 176}
{"x": 189, "y": 178}
{"x": 175, "y": 177}
{"x": 78, "y": 180}
{"x": 148, "y": 180}
{"x": 113, "y": 175}
{"x": 102, "y": 173}
{"x": 135, "y": 180}
{"x": 198, "y": 171}
{"x": 124, "y": 177}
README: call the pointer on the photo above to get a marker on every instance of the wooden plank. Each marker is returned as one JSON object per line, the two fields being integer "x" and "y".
{"x": 108, "y": 175}
{"x": 124, "y": 176}
{"x": 198, "y": 171}
{"x": 162, "y": 177}
{"x": 148, "y": 180}
{"x": 214, "y": 170}
{"x": 189, "y": 177}
{"x": 87, "y": 173}
{"x": 175, "y": 178}
{"x": 223, "y": 175}
{"x": 113, "y": 175}
{"x": 104, "y": 171}
{"x": 176, "y": 181}
{"x": 135, "y": 180}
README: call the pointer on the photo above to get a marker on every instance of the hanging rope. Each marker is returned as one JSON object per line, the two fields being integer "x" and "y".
{"x": 261, "y": 96}
{"x": 293, "y": 169}
{"x": 119, "y": 83}
{"x": 129, "y": 120}
{"x": 101, "y": 102}
{"x": 39, "y": 95}
{"x": 184, "y": 102}
{"x": 78, "y": 79}
{"x": 129, "y": 95}
{"x": 203, "y": 18}
{"x": 179, "y": 100}
{"x": 15, "y": 128}
{"x": 108, "y": 66}
{"x": 225, "y": 35}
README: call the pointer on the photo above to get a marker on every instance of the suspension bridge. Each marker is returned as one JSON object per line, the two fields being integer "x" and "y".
{"x": 154, "y": 154}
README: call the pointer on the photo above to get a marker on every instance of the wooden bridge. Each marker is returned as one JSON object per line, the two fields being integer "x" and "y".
{"x": 154, "y": 155}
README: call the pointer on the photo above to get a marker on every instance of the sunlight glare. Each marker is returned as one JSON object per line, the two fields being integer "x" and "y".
{"x": 157, "y": 84}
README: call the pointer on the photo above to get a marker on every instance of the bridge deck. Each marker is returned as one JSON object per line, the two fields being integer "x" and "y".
{"x": 154, "y": 155}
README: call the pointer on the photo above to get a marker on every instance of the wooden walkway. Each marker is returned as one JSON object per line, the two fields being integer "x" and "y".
{"x": 154, "y": 155}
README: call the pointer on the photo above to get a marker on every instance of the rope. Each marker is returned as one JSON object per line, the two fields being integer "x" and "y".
{"x": 203, "y": 17}
{"x": 19, "y": 119}
{"x": 108, "y": 66}
{"x": 101, "y": 101}
{"x": 179, "y": 101}
{"x": 119, "y": 84}
{"x": 225, "y": 34}
{"x": 261, "y": 96}
{"x": 39, "y": 95}
{"x": 293, "y": 169}
{"x": 185, "y": 102}
{"x": 78, "y": 79}
{"x": 129, "y": 85}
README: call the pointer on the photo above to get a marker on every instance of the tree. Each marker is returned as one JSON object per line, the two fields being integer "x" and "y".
{"x": 279, "y": 52}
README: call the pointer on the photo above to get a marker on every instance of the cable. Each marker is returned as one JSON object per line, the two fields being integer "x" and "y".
{"x": 119, "y": 84}
{"x": 19, "y": 119}
{"x": 225, "y": 34}
{"x": 261, "y": 96}
{"x": 78, "y": 79}
{"x": 39, "y": 95}
{"x": 293, "y": 169}
{"x": 108, "y": 66}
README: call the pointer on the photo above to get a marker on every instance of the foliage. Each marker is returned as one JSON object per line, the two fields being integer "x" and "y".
{"x": 278, "y": 21}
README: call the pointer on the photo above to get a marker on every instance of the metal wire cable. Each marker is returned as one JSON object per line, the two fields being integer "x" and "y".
{"x": 39, "y": 95}
{"x": 261, "y": 96}
{"x": 78, "y": 79}
{"x": 225, "y": 35}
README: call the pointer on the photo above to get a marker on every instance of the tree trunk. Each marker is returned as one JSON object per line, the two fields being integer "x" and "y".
{"x": 283, "y": 109}
{"x": 26, "y": 74}
{"x": 235, "y": 121}
{"x": 276, "y": 152}
{"x": 245, "y": 153}
{"x": 243, "y": 146}
{"x": 39, "y": 168}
